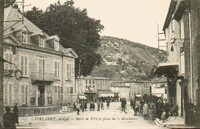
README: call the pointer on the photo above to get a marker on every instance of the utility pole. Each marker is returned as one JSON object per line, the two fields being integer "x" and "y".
{"x": 1, "y": 62}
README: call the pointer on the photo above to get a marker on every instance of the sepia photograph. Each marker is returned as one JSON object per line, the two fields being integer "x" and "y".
{"x": 99, "y": 64}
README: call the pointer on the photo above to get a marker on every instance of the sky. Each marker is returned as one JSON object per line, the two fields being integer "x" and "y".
{"x": 134, "y": 20}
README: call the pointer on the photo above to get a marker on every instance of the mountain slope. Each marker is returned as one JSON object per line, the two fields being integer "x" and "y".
{"x": 126, "y": 60}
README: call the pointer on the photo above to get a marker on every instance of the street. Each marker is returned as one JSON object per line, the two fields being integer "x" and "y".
{"x": 110, "y": 118}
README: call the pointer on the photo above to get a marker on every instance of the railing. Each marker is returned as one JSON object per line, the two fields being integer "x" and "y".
{"x": 37, "y": 76}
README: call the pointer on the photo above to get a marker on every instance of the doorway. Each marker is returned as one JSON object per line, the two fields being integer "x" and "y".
{"x": 41, "y": 95}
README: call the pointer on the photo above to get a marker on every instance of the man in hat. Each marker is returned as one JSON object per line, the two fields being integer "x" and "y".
{"x": 16, "y": 114}
{"x": 8, "y": 119}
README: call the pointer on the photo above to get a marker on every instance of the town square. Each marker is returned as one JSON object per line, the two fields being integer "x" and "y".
{"x": 99, "y": 64}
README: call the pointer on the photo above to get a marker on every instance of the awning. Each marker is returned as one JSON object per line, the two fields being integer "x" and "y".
{"x": 106, "y": 95}
{"x": 168, "y": 68}
{"x": 110, "y": 95}
{"x": 138, "y": 95}
{"x": 158, "y": 94}
{"x": 82, "y": 97}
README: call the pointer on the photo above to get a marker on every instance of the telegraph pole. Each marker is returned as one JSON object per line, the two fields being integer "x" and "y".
{"x": 1, "y": 62}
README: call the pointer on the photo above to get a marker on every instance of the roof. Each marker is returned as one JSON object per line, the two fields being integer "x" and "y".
{"x": 171, "y": 10}
{"x": 159, "y": 79}
{"x": 168, "y": 64}
{"x": 53, "y": 37}
{"x": 12, "y": 14}
{"x": 167, "y": 69}
{"x": 14, "y": 23}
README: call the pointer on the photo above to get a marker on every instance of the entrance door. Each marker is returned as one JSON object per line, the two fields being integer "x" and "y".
{"x": 41, "y": 96}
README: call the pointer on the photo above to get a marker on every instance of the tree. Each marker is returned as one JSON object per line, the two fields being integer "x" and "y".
{"x": 75, "y": 29}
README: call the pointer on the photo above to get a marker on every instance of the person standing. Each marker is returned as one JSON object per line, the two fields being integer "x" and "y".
{"x": 74, "y": 106}
{"x": 8, "y": 119}
{"x": 78, "y": 106}
{"x": 159, "y": 108}
{"x": 137, "y": 107}
{"x": 82, "y": 106}
{"x": 102, "y": 107}
{"x": 98, "y": 105}
{"x": 123, "y": 104}
{"x": 108, "y": 103}
{"x": 16, "y": 114}
{"x": 146, "y": 110}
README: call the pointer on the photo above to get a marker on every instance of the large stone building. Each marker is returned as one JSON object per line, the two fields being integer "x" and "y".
{"x": 122, "y": 88}
{"x": 128, "y": 89}
{"x": 92, "y": 88}
{"x": 139, "y": 88}
{"x": 182, "y": 31}
{"x": 47, "y": 69}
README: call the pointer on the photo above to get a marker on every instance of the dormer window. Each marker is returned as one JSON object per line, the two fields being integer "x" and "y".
{"x": 41, "y": 41}
{"x": 56, "y": 45}
{"x": 24, "y": 37}
{"x": 53, "y": 41}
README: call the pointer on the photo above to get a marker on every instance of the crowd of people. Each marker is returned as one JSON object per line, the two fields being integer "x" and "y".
{"x": 82, "y": 105}
{"x": 154, "y": 108}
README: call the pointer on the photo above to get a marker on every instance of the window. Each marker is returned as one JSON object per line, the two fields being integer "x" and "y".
{"x": 32, "y": 100}
{"x": 68, "y": 93}
{"x": 172, "y": 48}
{"x": 182, "y": 30}
{"x": 41, "y": 41}
{"x": 55, "y": 90}
{"x": 23, "y": 94}
{"x": 69, "y": 72}
{"x": 24, "y": 37}
{"x": 8, "y": 94}
{"x": 57, "y": 69}
{"x": 61, "y": 94}
{"x": 24, "y": 65}
{"x": 49, "y": 100}
{"x": 9, "y": 57}
{"x": 71, "y": 90}
{"x": 41, "y": 65}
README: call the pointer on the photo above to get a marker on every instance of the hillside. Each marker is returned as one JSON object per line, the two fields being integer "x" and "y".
{"x": 126, "y": 60}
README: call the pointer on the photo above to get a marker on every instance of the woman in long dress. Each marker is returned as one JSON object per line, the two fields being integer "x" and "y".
{"x": 146, "y": 110}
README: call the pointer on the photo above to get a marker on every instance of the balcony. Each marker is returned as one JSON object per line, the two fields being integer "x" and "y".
{"x": 42, "y": 77}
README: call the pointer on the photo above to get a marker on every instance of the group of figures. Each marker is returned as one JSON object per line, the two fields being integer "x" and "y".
{"x": 83, "y": 105}
{"x": 10, "y": 119}
{"x": 152, "y": 109}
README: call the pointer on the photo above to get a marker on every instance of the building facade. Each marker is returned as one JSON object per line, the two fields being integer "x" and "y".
{"x": 93, "y": 87}
{"x": 139, "y": 88}
{"x": 159, "y": 87}
{"x": 122, "y": 88}
{"x": 47, "y": 70}
{"x": 128, "y": 89}
{"x": 182, "y": 36}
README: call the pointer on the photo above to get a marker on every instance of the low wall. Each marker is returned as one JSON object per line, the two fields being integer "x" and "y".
{"x": 32, "y": 111}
